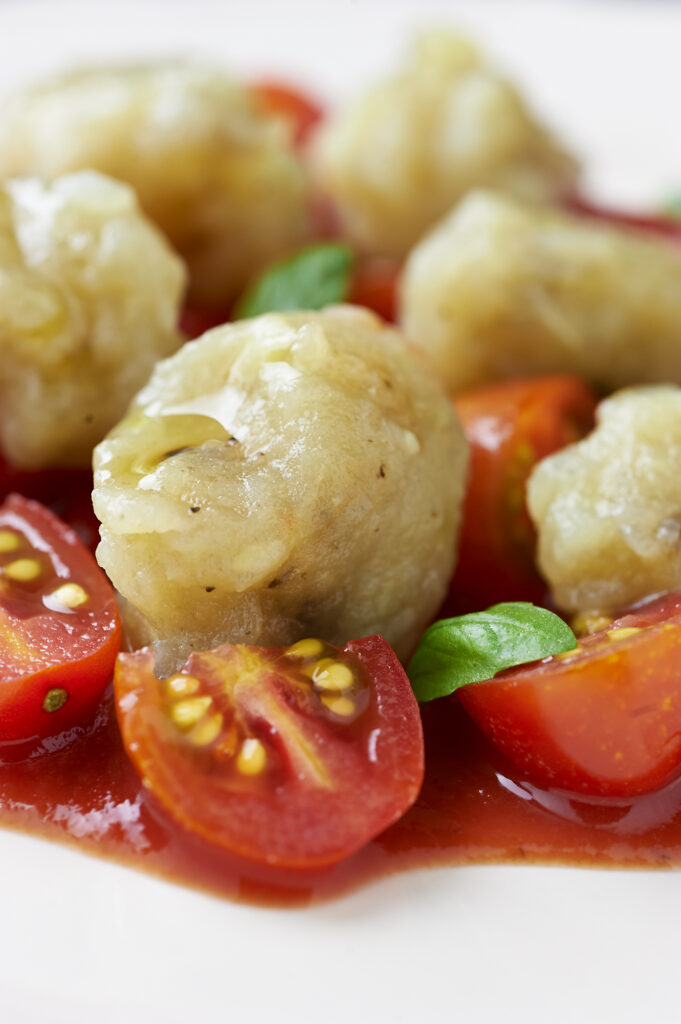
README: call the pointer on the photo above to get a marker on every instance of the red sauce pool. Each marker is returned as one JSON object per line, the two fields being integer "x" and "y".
{"x": 470, "y": 812}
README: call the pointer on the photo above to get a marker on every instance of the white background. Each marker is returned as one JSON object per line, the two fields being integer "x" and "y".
{"x": 84, "y": 941}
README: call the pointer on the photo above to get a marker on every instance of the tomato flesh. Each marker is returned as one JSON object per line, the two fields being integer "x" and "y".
{"x": 289, "y": 756}
{"x": 66, "y": 491}
{"x": 301, "y": 110}
{"x": 374, "y": 285}
{"x": 604, "y": 721}
{"x": 59, "y": 625}
{"x": 195, "y": 321}
{"x": 509, "y": 426}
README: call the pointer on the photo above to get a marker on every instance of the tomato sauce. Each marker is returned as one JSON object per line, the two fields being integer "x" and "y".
{"x": 472, "y": 810}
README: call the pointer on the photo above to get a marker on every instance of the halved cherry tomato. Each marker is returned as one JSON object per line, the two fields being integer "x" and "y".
{"x": 59, "y": 627}
{"x": 292, "y": 756}
{"x": 667, "y": 227}
{"x": 67, "y": 492}
{"x": 374, "y": 285}
{"x": 604, "y": 720}
{"x": 293, "y": 104}
{"x": 510, "y": 426}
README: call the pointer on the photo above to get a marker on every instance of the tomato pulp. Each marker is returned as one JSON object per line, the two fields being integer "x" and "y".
{"x": 294, "y": 756}
{"x": 59, "y": 626}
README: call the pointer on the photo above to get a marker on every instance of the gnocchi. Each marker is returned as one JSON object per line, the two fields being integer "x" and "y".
{"x": 89, "y": 300}
{"x": 294, "y": 475}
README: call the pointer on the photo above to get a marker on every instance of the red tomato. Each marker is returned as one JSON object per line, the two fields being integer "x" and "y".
{"x": 280, "y": 98}
{"x": 195, "y": 321}
{"x": 326, "y": 225}
{"x": 67, "y": 492}
{"x": 668, "y": 227}
{"x": 374, "y": 285}
{"x": 604, "y": 720}
{"x": 291, "y": 756}
{"x": 59, "y": 628}
{"x": 509, "y": 427}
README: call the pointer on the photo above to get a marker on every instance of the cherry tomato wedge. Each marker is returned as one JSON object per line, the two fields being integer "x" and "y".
{"x": 291, "y": 756}
{"x": 59, "y": 627}
{"x": 195, "y": 321}
{"x": 66, "y": 491}
{"x": 604, "y": 720}
{"x": 667, "y": 227}
{"x": 509, "y": 426}
{"x": 293, "y": 104}
{"x": 374, "y": 285}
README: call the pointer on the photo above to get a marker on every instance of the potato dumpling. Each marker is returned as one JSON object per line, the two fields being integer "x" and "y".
{"x": 608, "y": 509}
{"x": 289, "y": 476}
{"x": 215, "y": 173}
{"x": 89, "y": 298}
{"x": 501, "y": 289}
{"x": 398, "y": 158}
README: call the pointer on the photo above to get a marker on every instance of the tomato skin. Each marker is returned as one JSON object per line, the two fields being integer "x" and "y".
{"x": 374, "y": 285}
{"x": 66, "y": 491}
{"x": 666, "y": 227}
{"x": 509, "y": 426}
{"x": 605, "y": 723}
{"x": 371, "y": 768}
{"x": 195, "y": 321}
{"x": 44, "y": 649}
{"x": 293, "y": 104}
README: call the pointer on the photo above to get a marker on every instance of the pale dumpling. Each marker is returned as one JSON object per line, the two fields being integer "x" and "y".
{"x": 608, "y": 509}
{"x": 289, "y": 476}
{"x": 90, "y": 294}
{"x": 398, "y": 158}
{"x": 504, "y": 289}
{"x": 209, "y": 167}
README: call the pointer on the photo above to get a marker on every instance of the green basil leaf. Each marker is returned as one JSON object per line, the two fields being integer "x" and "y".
{"x": 470, "y": 648}
{"x": 316, "y": 277}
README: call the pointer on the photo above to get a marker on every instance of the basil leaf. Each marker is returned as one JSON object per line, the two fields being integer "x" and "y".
{"x": 316, "y": 277}
{"x": 470, "y": 648}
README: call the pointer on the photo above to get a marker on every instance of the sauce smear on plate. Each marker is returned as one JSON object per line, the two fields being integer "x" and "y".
{"x": 471, "y": 811}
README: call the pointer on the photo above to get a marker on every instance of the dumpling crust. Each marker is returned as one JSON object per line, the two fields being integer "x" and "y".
{"x": 501, "y": 289}
{"x": 292, "y": 475}
{"x": 398, "y": 159}
{"x": 218, "y": 176}
{"x": 89, "y": 300}
{"x": 608, "y": 509}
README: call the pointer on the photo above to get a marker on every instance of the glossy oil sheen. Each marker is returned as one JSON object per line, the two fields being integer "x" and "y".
{"x": 471, "y": 810}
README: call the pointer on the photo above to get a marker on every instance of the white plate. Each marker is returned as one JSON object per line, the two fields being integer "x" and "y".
{"x": 83, "y": 940}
